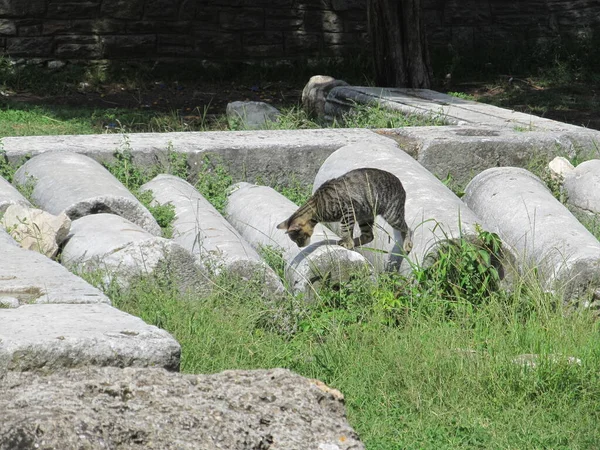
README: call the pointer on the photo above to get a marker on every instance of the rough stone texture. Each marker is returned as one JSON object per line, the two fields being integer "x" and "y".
{"x": 560, "y": 167}
{"x": 201, "y": 230}
{"x": 540, "y": 230}
{"x": 49, "y": 337}
{"x": 35, "y": 229}
{"x": 122, "y": 250}
{"x": 255, "y": 211}
{"x": 272, "y": 155}
{"x": 465, "y": 151}
{"x": 582, "y": 186}
{"x": 78, "y": 185}
{"x": 155, "y": 409}
{"x": 432, "y": 211}
{"x": 251, "y": 115}
{"x": 314, "y": 94}
{"x": 32, "y": 278}
{"x": 9, "y": 195}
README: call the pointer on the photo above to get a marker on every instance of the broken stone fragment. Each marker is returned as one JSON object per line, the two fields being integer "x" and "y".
{"x": 35, "y": 229}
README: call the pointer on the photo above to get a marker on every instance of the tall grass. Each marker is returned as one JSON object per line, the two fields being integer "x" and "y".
{"x": 413, "y": 377}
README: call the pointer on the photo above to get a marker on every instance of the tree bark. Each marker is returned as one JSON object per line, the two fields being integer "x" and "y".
{"x": 399, "y": 43}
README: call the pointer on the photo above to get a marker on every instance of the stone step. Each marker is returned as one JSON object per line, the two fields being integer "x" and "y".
{"x": 50, "y": 337}
{"x": 30, "y": 277}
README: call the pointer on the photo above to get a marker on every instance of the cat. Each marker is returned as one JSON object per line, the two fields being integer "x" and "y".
{"x": 357, "y": 196}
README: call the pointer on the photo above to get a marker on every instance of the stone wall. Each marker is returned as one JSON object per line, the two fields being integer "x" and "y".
{"x": 224, "y": 30}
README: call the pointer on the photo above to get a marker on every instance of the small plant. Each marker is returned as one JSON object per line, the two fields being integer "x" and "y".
{"x": 465, "y": 270}
{"x": 375, "y": 116}
{"x": 462, "y": 95}
{"x": 27, "y": 188}
{"x": 213, "y": 183}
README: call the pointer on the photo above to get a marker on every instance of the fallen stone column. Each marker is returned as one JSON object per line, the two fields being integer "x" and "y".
{"x": 50, "y": 337}
{"x": 432, "y": 211}
{"x": 79, "y": 186}
{"x": 121, "y": 250}
{"x": 582, "y": 186}
{"x": 255, "y": 211}
{"x": 9, "y": 195}
{"x": 200, "y": 229}
{"x": 543, "y": 234}
{"x": 29, "y": 277}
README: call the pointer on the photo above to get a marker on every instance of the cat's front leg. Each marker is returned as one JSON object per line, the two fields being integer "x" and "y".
{"x": 347, "y": 227}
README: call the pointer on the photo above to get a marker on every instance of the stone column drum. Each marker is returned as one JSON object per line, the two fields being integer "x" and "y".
{"x": 78, "y": 185}
{"x": 432, "y": 211}
{"x": 9, "y": 195}
{"x": 255, "y": 211}
{"x": 542, "y": 232}
{"x": 120, "y": 249}
{"x": 203, "y": 231}
{"x": 582, "y": 186}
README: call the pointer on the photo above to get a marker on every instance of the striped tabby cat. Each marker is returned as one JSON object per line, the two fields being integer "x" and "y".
{"x": 357, "y": 196}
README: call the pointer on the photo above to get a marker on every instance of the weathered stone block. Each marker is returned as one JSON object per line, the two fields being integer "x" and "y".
{"x": 300, "y": 42}
{"x": 7, "y": 27}
{"x": 73, "y": 10}
{"x": 161, "y": 8}
{"x": 211, "y": 43}
{"x": 129, "y": 46}
{"x": 79, "y": 51}
{"x": 277, "y": 19}
{"x": 252, "y": 19}
{"x": 101, "y": 26}
{"x": 123, "y": 9}
{"x": 180, "y": 45}
{"x": 51, "y": 27}
{"x": 328, "y": 21}
{"x": 154, "y": 409}
{"x": 22, "y": 8}
{"x": 160, "y": 27}
{"x": 29, "y": 46}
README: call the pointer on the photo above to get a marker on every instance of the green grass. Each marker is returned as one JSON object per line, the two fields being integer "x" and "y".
{"x": 412, "y": 376}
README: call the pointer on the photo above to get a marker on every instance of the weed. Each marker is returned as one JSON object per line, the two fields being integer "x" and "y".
{"x": 376, "y": 116}
{"x": 462, "y": 95}
{"x": 213, "y": 183}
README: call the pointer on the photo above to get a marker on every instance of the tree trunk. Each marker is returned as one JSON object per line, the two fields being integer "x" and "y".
{"x": 399, "y": 43}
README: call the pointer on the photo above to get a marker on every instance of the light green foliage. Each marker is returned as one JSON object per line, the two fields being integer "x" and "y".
{"x": 462, "y": 95}
{"x": 463, "y": 270}
{"x": 133, "y": 177}
{"x": 213, "y": 183}
{"x": 375, "y": 116}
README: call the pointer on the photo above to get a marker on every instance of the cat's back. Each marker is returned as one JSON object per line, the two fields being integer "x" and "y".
{"x": 364, "y": 179}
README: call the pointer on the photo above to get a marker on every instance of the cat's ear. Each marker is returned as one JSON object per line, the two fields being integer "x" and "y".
{"x": 283, "y": 225}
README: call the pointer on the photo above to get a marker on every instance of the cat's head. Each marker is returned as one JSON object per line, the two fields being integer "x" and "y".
{"x": 298, "y": 229}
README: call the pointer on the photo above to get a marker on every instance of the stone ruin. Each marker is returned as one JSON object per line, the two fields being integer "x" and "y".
{"x": 61, "y": 335}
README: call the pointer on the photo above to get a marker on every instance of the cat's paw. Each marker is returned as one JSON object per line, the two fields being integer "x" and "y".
{"x": 346, "y": 244}
{"x": 407, "y": 245}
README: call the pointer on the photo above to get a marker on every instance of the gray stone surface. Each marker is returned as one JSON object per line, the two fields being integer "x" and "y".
{"x": 314, "y": 94}
{"x": 433, "y": 212}
{"x": 9, "y": 195}
{"x": 35, "y": 229}
{"x": 251, "y": 115}
{"x": 121, "y": 250}
{"x": 50, "y": 337}
{"x": 464, "y": 151}
{"x": 107, "y": 407}
{"x": 428, "y": 103}
{"x": 255, "y": 211}
{"x": 273, "y": 155}
{"x": 78, "y": 185}
{"x": 201, "y": 230}
{"x": 33, "y": 278}
{"x": 542, "y": 233}
{"x": 582, "y": 187}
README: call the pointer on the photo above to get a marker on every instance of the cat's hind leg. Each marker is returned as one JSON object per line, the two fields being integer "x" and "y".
{"x": 366, "y": 233}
